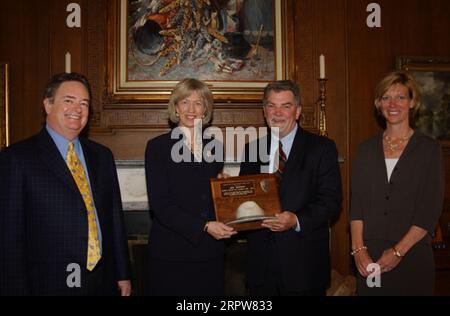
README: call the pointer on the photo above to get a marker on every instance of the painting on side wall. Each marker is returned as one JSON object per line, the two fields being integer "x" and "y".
{"x": 432, "y": 75}
{"x": 236, "y": 46}
{"x": 4, "y": 109}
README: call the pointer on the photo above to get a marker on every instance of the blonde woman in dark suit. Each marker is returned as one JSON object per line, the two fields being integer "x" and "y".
{"x": 397, "y": 196}
{"x": 186, "y": 243}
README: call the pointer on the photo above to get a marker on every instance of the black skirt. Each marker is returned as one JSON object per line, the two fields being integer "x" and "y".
{"x": 413, "y": 276}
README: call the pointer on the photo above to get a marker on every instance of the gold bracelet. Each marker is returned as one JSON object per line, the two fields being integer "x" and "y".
{"x": 354, "y": 252}
{"x": 397, "y": 253}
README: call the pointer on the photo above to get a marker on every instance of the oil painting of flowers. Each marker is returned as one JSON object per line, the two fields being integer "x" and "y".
{"x": 433, "y": 117}
{"x": 213, "y": 40}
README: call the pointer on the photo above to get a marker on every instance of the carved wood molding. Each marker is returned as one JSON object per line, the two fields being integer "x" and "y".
{"x": 234, "y": 117}
{"x": 135, "y": 118}
{"x": 158, "y": 118}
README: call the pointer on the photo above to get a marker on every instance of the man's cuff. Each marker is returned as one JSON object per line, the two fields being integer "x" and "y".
{"x": 297, "y": 227}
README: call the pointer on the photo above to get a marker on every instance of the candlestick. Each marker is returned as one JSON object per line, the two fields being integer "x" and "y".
{"x": 322, "y": 108}
{"x": 322, "y": 66}
{"x": 68, "y": 63}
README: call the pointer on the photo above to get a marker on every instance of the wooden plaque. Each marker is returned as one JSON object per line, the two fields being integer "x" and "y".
{"x": 244, "y": 202}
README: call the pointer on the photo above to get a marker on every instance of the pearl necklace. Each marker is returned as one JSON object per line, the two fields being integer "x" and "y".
{"x": 394, "y": 145}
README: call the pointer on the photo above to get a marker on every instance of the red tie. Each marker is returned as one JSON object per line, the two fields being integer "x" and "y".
{"x": 281, "y": 162}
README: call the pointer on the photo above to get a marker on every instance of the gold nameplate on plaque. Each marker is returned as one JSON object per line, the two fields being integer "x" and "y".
{"x": 244, "y": 202}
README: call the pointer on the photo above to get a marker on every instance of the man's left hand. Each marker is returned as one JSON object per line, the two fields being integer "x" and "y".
{"x": 282, "y": 222}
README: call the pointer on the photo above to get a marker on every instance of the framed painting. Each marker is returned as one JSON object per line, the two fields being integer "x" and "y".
{"x": 432, "y": 75}
{"x": 4, "y": 106}
{"x": 235, "y": 46}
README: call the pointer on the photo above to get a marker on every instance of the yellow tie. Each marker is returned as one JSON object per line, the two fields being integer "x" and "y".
{"x": 77, "y": 170}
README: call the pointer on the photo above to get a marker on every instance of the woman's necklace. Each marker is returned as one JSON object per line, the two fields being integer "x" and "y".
{"x": 394, "y": 145}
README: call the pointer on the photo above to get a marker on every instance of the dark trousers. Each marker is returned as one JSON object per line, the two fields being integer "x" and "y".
{"x": 185, "y": 278}
{"x": 94, "y": 283}
{"x": 273, "y": 279}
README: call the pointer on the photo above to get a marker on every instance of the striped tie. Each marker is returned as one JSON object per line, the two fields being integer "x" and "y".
{"x": 79, "y": 175}
{"x": 281, "y": 162}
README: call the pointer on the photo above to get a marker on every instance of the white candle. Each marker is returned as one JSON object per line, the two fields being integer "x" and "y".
{"x": 68, "y": 65}
{"x": 322, "y": 66}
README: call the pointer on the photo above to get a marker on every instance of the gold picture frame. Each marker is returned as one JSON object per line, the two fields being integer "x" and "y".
{"x": 432, "y": 75}
{"x": 4, "y": 105}
{"x": 126, "y": 82}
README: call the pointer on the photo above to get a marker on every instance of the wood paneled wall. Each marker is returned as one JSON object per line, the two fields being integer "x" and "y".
{"x": 34, "y": 39}
{"x": 409, "y": 27}
{"x": 24, "y": 44}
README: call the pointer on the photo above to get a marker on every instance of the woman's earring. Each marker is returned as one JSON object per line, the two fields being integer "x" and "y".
{"x": 176, "y": 114}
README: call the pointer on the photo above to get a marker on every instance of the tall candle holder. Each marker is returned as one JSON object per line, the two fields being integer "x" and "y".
{"x": 322, "y": 112}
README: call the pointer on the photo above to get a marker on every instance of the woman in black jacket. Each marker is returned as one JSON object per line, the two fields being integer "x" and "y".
{"x": 397, "y": 197}
{"x": 186, "y": 247}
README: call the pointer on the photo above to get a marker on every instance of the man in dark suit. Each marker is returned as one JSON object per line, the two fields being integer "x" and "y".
{"x": 291, "y": 255}
{"x": 61, "y": 221}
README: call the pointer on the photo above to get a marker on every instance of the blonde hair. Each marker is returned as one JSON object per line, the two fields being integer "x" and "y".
{"x": 398, "y": 77}
{"x": 183, "y": 90}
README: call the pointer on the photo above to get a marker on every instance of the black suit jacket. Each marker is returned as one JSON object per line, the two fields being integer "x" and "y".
{"x": 43, "y": 219}
{"x": 311, "y": 188}
{"x": 180, "y": 200}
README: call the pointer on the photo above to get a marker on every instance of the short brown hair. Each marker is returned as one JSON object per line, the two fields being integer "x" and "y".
{"x": 405, "y": 79}
{"x": 282, "y": 85}
{"x": 184, "y": 89}
{"x": 55, "y": 81}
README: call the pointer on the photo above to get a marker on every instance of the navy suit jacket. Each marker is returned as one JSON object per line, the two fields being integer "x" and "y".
{"x": 43, "y": 219}
{"x": 311, "y": 188}
{"x": 181, "y": 203}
